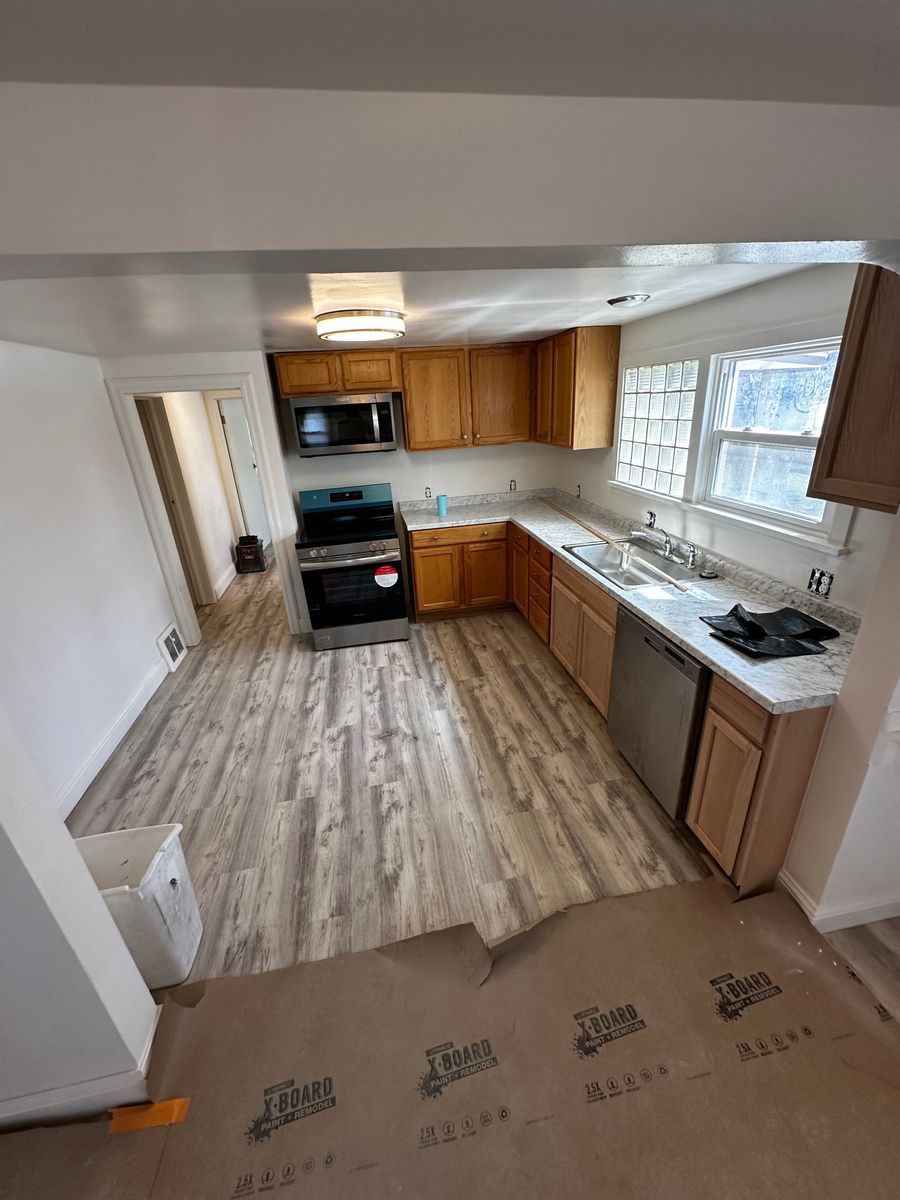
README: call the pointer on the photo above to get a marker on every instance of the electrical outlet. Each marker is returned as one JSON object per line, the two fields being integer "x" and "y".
{"x": 820, "y": 581}
{"x": 512, "y": 485}
{"x": 428, "y": 493}
{"x": 578, "y": 491}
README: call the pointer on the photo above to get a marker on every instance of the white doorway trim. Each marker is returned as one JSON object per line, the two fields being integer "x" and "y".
{"x": 276, "y": 496}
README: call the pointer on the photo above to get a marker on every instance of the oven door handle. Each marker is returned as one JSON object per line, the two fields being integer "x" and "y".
{"x": 324, "y": 564}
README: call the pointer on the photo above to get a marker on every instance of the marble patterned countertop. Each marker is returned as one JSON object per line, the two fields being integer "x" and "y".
{"x": 778, "y": 684}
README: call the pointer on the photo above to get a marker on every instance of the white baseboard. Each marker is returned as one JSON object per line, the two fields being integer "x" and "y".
{"x": 826, "y": 918}
{"x": 224, "y": 581}
{"x": 68, "y": 795}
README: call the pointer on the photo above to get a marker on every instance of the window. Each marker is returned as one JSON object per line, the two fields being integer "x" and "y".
{"x": 655, "y": 426}
{"x": 766, "y": 413}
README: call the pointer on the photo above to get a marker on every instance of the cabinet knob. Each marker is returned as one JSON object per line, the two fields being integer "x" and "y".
{"x": 435, "y": 538}
{"x": 485, "y": 532}
{"x": 465, "y": 437}
{"x": 477, "y": 437}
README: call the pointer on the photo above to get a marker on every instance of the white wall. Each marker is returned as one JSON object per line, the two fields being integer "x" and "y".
{"x": 76, "y": 1018}
{"x": 455, "y": 472}
{"x": 844, "y": 860}
{"x": 808, "y": 304}
{"x": 84, "y": 601}
{"x": 283, "y": 169}
{"x": 196, "y": 451}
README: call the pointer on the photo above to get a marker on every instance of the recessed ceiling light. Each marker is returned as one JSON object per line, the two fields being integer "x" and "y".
{"x": 360, "y": 325}
{"x": 631, "y": 301}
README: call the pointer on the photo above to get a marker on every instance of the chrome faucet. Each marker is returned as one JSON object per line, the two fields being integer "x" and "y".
{"x": 667, "y": 543}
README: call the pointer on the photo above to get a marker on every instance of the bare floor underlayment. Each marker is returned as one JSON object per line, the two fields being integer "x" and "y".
{"x": 667, "y": 1045}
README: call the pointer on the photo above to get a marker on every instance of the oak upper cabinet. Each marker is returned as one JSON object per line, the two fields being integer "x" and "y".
{"x": 576, "y": 378}
{"x": 858, "y": 454}
{"x": 370, "y": 370}
{"x": 543, "y": 381}
{"x": 749, "y": 781}
{"x": 501, "y": 393}
{"x": 484, "y": 574}
{"x": 437, "y": 578}
{"x": 308, "y": 374}
{"x": 436, "y": 406}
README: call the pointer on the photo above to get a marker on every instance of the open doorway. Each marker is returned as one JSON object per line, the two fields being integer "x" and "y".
{"x": 202, "y": 455}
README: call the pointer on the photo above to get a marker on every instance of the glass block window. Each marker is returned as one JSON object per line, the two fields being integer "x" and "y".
{"x": 655, "y": 426}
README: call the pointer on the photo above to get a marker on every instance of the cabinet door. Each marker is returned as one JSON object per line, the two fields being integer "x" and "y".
{"x": 858, "y": 455}
{"x": 727, "y": 763}
{"x": 561, "y": 427}
{"x": 436, "y": 399}
{"x": 437, "y": 578}
{"x": 501, "y": 394}
{"x": 370, "y": 370}
{"x": 543, "y": 407}
{"x": 485, "y": 573}
{"x": 565, "y": 626}
{"x": 308, "y": 374}
{"x": 520, "y": 579}
{"x": 595, "y": 658}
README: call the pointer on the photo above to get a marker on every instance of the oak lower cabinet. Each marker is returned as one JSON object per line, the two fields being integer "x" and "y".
{"x": 576, "y": 379}
{"x": 484, "y": 574}
{"x": 749, "y": 781}
{"x": 583, "y": 632}
{"x": 437, "y": 579}
{"x": 518, "y": 569}
{"x": 459, "y": 569}
{"x": 858, "y": 453}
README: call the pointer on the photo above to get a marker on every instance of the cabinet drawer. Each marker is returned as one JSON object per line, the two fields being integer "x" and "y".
{"x": 744, "y": 713}
{"x": 539, "y": 575}
{"x": 589, "y": 593}
{"x": 539, "y": 597}
{"x": 519, "y": 536}
{"x": 457, "y": 535}
{"x": 540, "y": 554}
{"x": 540, "y": 622}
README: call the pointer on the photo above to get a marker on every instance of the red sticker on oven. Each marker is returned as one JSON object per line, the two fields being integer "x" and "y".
{"x": 386, "y": 576}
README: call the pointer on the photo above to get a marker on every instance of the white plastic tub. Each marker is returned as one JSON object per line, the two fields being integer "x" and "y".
{"x": 142, "y": 876}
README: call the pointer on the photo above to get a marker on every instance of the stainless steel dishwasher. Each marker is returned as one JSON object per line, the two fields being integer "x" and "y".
{"x": 655, "y": 709}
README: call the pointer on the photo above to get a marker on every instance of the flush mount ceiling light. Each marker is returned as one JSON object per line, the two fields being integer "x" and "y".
{"x": 360, "y": 325}
{"x": 631, "y": 301}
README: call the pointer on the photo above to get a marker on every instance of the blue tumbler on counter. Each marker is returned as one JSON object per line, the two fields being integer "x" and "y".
{"x": 442, "y": 506}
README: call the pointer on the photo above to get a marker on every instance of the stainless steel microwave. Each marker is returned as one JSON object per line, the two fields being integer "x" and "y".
{"x": 343, "y": 424}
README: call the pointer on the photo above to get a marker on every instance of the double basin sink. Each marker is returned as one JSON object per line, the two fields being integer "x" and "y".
{"x": 628, "y": 568}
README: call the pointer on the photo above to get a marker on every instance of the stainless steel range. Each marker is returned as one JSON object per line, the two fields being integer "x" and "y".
{"x": 349, "y": 554}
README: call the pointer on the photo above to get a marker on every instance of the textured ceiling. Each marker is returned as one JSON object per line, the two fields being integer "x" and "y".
{"x": 144, "y": 311}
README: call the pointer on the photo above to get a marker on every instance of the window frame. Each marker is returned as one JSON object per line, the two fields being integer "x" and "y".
{"x": 830, "y": 534}
{"x": 711, "y": 434}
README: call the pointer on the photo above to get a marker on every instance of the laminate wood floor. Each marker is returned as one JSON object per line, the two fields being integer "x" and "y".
{"x": 873, "y": 951}
{"x": 343, "y": 800}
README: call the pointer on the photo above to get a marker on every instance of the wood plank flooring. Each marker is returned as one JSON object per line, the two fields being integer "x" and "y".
{"x": 873, "y": 951}
{"x": 339, "y": 801}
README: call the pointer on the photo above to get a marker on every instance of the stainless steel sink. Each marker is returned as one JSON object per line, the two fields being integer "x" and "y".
{"x": 627, "y": 569}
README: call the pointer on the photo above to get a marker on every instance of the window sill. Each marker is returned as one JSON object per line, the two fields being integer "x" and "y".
{"x": 797, "y": 537}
